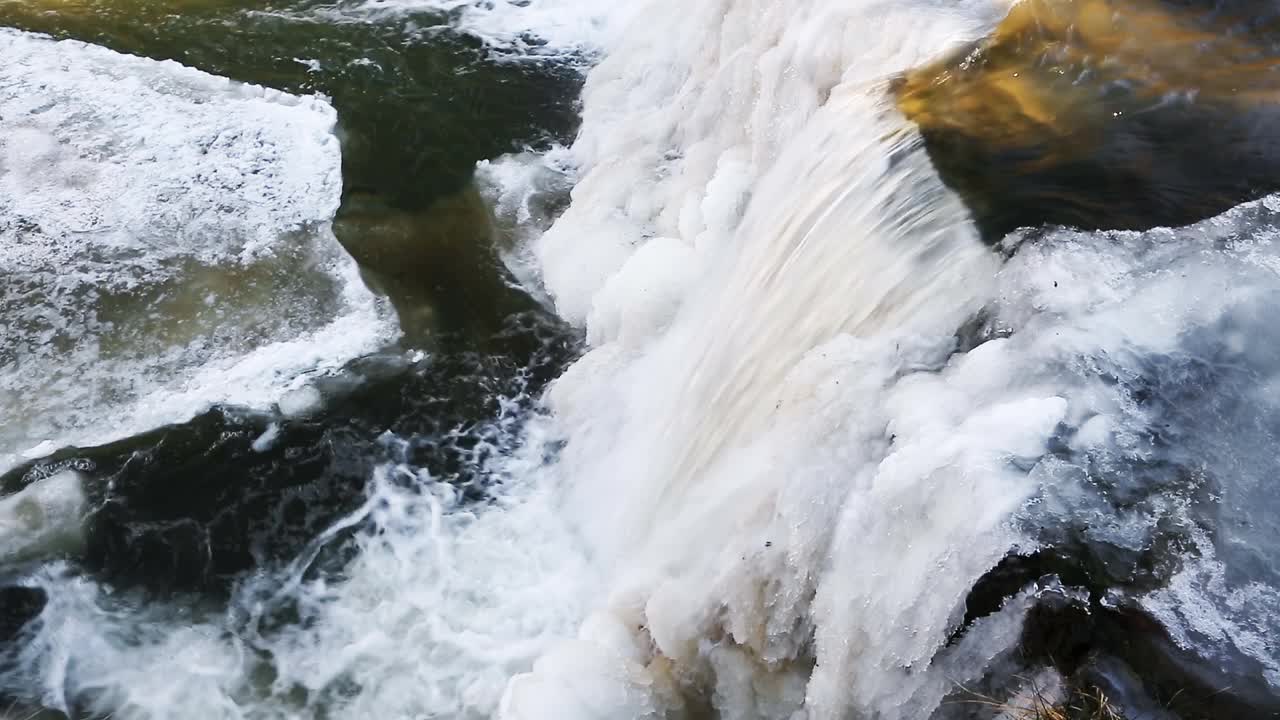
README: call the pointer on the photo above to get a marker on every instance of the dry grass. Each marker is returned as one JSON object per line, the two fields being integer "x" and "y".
{"x": 1091, "y": 704}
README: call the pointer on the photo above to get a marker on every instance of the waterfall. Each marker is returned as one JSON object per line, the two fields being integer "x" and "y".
{"x": 775, "y": 531}
{"x": 815, "y": 422}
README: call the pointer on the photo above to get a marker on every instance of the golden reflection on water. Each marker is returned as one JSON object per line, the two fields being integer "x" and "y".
{"x": 1065, "y": 91}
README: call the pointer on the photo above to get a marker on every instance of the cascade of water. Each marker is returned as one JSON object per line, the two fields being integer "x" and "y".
{"x": 770, "y": 486}
{"x": 731, "y": 459}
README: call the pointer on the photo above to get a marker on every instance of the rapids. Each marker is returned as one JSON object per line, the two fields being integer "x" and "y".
{"x": 837, "y": 439}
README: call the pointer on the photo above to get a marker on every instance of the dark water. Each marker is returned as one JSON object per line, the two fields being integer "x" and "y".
{"x": 190, "y": 508}
{"x": 419, "y": 103}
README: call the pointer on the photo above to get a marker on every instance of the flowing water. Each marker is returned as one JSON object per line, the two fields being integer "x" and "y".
{"x": 570, "y": 359}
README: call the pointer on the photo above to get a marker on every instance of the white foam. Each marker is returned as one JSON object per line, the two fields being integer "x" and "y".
{"x": 1215, "y": 617}
{"x": 445, "y": 602}
{"x": 165, "y": 245}
{"x": 43, "y": 519}
{"x": 90, "y": 650}
{"x": 518, "y": 28}
{"x": 524, "y": 189}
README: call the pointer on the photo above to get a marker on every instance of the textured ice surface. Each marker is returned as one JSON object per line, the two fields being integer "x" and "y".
{"x": 164, "y": 245}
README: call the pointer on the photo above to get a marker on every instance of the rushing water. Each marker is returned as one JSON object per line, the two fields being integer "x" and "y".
{"x": 562, "y": 359}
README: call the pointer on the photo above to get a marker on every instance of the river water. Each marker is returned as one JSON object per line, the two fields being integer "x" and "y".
{"x": 570, "y": 359}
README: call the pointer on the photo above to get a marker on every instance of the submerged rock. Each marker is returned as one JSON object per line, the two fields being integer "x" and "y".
{"x": 438, "y": 265}
{"x": 1122, "y": 689}
{"x": 1106, "y": 114}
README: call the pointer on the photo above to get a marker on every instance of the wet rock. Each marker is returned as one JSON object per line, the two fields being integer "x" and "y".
{"x": 1113, "y": 680}
{"x": 1171, "y": 528}
{"x": 1189, "y": 682}
{"x": 1102, "y": 641}
{"x": 19, "y": 606}
{"x": 1059, "y": 626}
{"x": 1115, "y": 114}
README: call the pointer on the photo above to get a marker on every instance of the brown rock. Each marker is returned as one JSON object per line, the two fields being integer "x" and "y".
{"x": 1105, "y": 114}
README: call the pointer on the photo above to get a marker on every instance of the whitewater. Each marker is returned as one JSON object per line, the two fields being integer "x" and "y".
{"x": 814, "y": 411}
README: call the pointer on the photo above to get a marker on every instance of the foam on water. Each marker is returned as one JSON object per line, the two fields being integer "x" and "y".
{"x": 43, "y": 519}
{"x": 1161, "y": 343}
{"x": 573, "y": 29}
{"x": 769, "y": 486}
{"x": 165, "y": 243}
{"x": 442, "y": 605}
